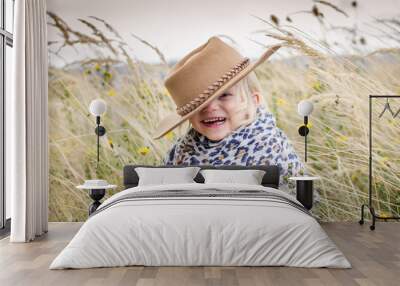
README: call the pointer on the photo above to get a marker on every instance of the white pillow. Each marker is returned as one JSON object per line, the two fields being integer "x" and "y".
{"x": 249, "y": 177}
{"x": 163, "y": 176}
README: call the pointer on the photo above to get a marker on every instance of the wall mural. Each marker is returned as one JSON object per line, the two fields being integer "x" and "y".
{"x": 89, "y": 58}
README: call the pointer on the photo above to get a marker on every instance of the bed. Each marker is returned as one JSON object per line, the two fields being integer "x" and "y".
{"x": 201, "y": 224}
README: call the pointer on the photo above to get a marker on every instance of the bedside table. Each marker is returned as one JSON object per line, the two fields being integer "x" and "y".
{"x": 304, "y": 190}
{"x": 97, "y": 190}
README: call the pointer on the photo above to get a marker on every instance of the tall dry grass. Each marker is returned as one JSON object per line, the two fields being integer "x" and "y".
{"x": 338, "y": 142}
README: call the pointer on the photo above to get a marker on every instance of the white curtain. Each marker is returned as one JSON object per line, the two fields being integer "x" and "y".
{"x": 27, "y": 124}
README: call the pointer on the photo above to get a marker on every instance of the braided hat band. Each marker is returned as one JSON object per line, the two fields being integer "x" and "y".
{"x": 211, "y": 89}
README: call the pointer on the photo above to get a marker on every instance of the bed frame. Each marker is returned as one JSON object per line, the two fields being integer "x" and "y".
{"x": 270, "y": 179}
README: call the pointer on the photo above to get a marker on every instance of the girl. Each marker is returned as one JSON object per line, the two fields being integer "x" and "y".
{"x": 229, "y": 126}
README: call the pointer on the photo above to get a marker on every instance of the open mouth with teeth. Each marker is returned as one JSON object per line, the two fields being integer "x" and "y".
{"x": 213, "y": 121}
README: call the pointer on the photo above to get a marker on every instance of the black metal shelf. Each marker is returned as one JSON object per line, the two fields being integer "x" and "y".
{"x": 374, "y": 215}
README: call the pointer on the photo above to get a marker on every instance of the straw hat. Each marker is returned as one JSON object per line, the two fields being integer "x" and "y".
{"x": 202, "y": 75}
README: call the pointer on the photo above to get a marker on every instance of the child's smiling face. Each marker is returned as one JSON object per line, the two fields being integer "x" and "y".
{"x": 226, "y": 113}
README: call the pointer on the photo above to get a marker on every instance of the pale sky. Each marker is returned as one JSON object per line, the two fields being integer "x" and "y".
{"x": 177, "y": 26}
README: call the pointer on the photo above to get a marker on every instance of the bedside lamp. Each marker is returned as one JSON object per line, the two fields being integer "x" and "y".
{"x": 97, "y": 188}
{"x": 305, "y": 108}
{"x": 304, "y": 184}
{"x": 98, "y": 107}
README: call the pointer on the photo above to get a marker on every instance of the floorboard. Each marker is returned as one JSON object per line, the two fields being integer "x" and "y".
{"x": 374, "y": 255}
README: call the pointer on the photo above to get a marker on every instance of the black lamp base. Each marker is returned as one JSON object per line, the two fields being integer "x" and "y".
{"x": 96, "y": 195}
{"x": 304, "y": 193}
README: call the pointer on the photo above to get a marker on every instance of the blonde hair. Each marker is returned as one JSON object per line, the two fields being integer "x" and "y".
{"x": 253, "y": 82}
{"x": 245, "y": 88}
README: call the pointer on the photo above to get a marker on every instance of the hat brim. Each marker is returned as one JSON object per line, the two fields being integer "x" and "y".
{"x": 173, "y": 120}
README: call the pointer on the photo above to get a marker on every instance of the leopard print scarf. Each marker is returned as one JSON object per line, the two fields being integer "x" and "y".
{"x": 258, "y": 143}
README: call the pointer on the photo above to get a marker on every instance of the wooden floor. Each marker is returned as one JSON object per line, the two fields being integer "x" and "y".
{"x": 375, "y": 256}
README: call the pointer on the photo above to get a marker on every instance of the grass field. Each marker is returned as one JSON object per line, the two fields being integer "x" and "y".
{"x": 338, "y": 86}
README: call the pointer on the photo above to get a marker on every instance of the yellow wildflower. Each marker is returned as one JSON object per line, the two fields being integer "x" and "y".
{"x": 317, "y": 86}
{"x": 110, "y": 142}
{"x": 280, "y": 102}
{"x": 144, "y": 150}
{"x": 169, "y": 135}
{"x": 385, "y": 214}
{"x": 112, "y": 92}
{"x": 343, "y": 138}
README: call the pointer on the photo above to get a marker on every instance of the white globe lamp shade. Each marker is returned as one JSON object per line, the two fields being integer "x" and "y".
{"x": 97, "y": 107}
{"x": 305, "y": 107}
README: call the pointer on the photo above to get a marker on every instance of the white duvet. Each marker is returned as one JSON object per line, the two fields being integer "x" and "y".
{"x": 200, "y": 231}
